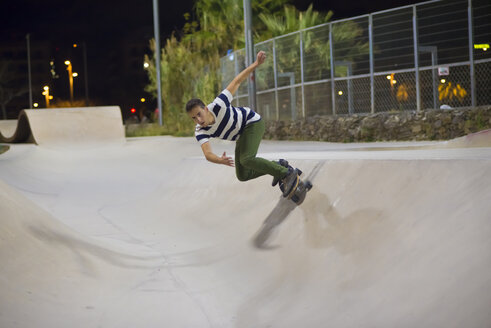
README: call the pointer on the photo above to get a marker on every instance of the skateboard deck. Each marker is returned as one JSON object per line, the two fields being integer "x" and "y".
{"x": 299, "y": 191}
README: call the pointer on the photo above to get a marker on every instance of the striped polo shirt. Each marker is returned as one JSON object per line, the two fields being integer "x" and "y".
{"x": 230, "y": 121}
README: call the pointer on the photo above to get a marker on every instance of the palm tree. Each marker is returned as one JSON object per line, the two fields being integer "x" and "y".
{"x": 316, "y": 46}
{"x": 291, "y": 20}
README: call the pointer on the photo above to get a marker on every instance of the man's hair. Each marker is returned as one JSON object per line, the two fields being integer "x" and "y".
{"x": 193, "y": 103}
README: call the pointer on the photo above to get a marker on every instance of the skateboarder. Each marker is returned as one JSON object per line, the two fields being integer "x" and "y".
{"x": 241, "y": 124}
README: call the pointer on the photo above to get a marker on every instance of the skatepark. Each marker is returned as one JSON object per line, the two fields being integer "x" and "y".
{"x": 99, "y": 230}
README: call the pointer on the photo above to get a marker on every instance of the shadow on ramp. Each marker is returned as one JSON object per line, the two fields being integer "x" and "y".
{"x": 274, "y": 219}
{"x": 280, "y": 212}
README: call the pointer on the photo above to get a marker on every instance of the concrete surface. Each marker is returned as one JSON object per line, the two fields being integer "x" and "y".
{"x": 146, "y": 233}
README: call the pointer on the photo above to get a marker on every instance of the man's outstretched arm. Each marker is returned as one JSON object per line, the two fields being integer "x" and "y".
{"x": 212, "y": 157}
{"x": 234, "y": 85}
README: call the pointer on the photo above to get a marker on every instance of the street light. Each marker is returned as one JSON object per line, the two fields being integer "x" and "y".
{"x": 46, "y": 95}
{"x": 70, "y": 77}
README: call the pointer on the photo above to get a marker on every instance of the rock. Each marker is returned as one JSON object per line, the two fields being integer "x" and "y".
{"x": 416, "y": 128}
{"x": 408, "y": 125}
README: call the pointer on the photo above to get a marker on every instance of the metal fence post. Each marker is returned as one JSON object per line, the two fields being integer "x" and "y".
{"x": 372, "y": 79}
{"x": 416, "y": 58}
{"x": 333, "y": 87}
{"x": 434, "y": 64}
{"x": 236, "y": 72}
{"x": 301, "y": 73}
{"x": 471, "y": 53}
{"x": 275, "y": 81}
{"x": 157, "y": 58}
{"x": 250, "y": 58}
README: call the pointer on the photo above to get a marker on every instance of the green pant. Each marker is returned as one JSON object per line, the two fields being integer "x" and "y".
{"x": 247, "y": 165}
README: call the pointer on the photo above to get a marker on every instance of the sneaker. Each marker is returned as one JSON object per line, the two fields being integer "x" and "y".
{"x": 284, "y": 163}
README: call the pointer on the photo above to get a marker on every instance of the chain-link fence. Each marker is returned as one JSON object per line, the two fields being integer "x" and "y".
{"x": 430, "y": 55}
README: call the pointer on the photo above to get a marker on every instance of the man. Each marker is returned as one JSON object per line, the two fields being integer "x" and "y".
{"x": 241, "y": 124}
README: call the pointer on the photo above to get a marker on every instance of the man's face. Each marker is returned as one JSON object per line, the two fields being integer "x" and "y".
{"x": 200, "y": 115}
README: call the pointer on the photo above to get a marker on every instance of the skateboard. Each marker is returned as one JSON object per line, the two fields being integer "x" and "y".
{"x": 298, "y": 190}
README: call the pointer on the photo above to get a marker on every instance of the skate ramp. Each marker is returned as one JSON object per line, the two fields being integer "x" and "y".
{"x": 149, "y": 234}
{"x": 478, "y": 139}
{"x": 8, "y": 127}
{"x": 70, "y": 126}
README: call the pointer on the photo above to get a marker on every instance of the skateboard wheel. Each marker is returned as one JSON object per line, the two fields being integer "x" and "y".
{"x": 295, "y": 198}
{"x": 308, "y": 185}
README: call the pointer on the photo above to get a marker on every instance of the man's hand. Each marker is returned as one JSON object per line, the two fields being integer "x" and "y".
{"x": 210, "y": 156}
{"x": 225, "y": 160}
{"x": 234, "y": 85}
{"x": 261, "y": 57}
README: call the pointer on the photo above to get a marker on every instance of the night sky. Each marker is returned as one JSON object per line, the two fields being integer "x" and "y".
{"x": 101, "y": 20}
{"x": 103, "y": 24}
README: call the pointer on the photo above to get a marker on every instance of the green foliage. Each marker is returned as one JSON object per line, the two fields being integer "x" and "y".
{"x": 480, "y": 121}
{"x": 290, "y": 20}
{"x": 286, "y": 21}
{"x": 184, "y": 75}
{"x": 220, "y": 23}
